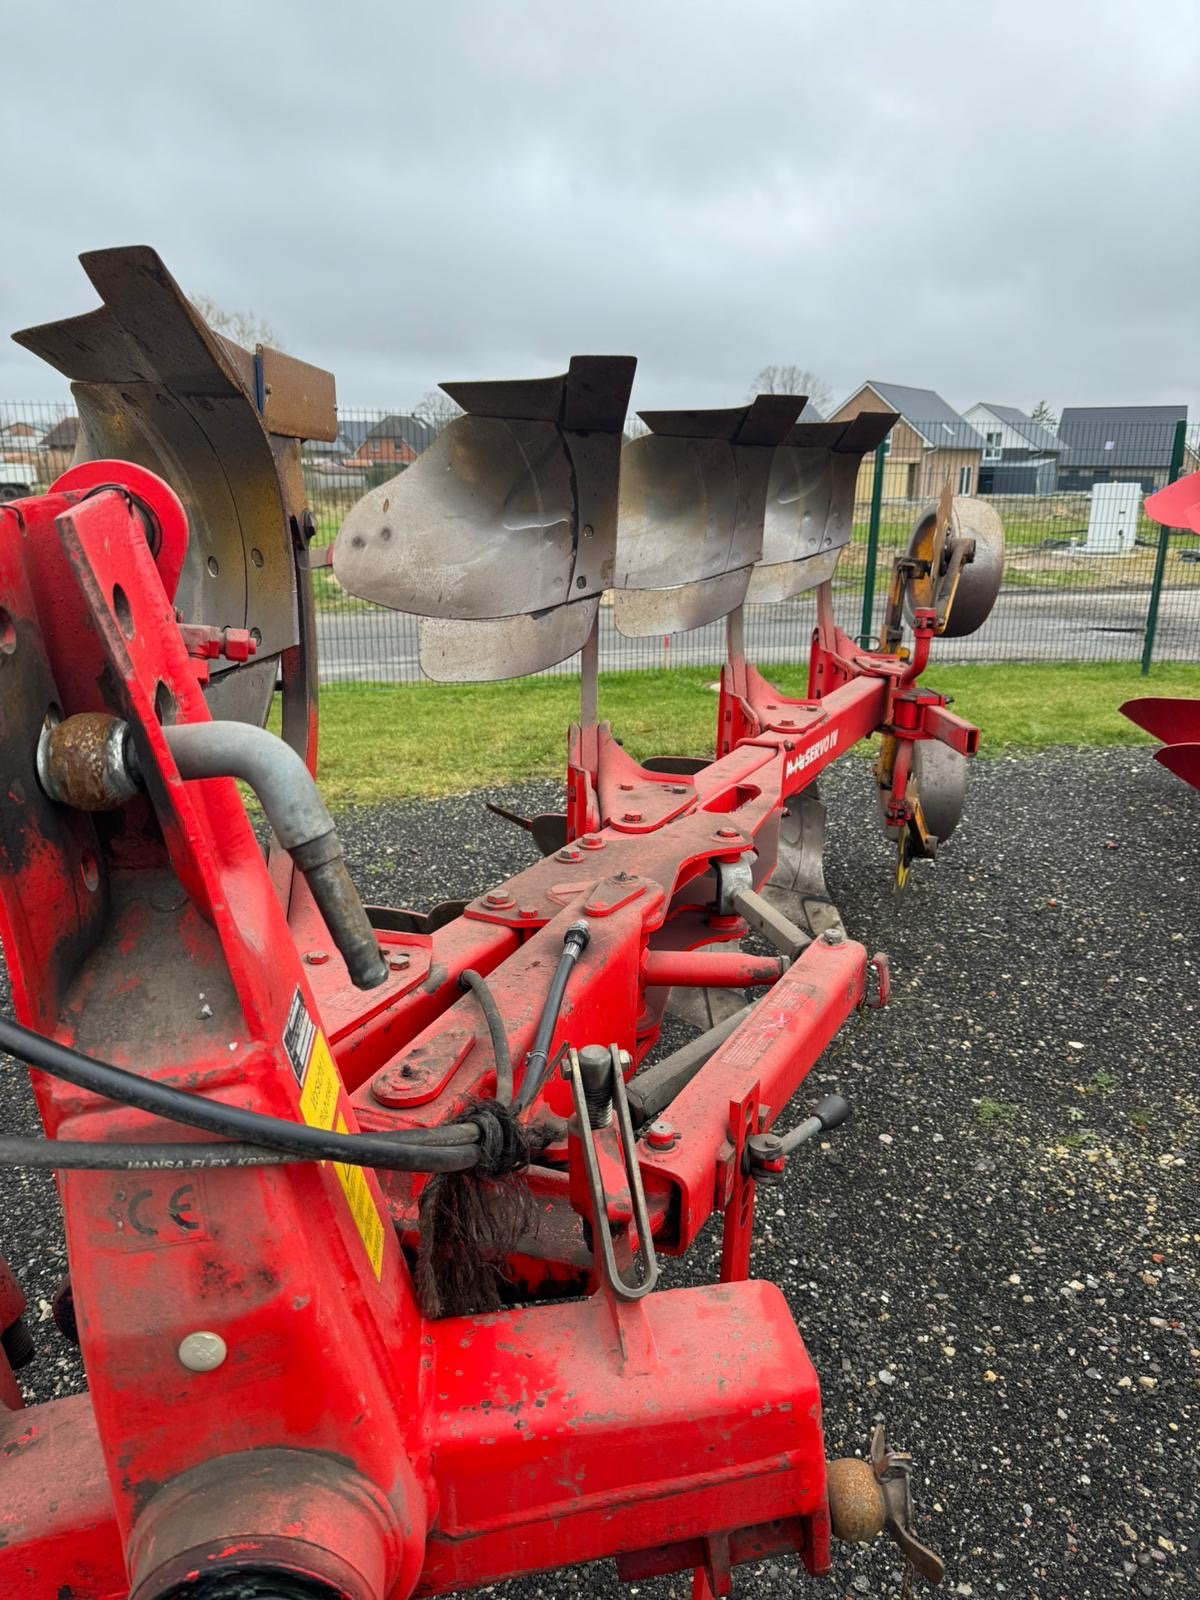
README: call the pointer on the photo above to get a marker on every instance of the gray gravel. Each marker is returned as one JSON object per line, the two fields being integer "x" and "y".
{"x": 999, "y": 1253}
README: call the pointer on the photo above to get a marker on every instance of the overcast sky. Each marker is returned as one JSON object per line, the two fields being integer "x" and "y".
{"x": 995, "y": 201}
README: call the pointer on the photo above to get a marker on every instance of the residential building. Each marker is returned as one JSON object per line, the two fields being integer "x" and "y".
{"x": 396, "y": 441}
{"x": 58, "y": 447}
{"x": 1020, "y": 456}
{"x": 1120, "y": 444}
{"x": 929, "y": 446}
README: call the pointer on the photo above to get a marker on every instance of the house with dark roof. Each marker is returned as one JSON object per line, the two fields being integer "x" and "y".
{"x": 1120, "y": 444}
{"x": 395, "y": 441}
{"x": 62, "y": 435}
{"x": 930, "y": 445}
{"x": 57, "y": 449}
{"x": 1020, "y": 456}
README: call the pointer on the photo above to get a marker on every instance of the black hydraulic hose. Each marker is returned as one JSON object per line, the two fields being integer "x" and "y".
{"x": 478, "y": 986}
{"x": 454, "y": 1148}
{"x": 298, "y": 815}
{"x": 90, "y": 1155}
{"x": 537, "y": 1062}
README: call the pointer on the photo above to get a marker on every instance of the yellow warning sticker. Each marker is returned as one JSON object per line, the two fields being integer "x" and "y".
{"x": 319, "y": 1086}
{"x": 319, "y": 1094}
{"x": 362, "y": 1208}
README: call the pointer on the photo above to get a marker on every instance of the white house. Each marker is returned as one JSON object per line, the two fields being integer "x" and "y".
{"x": 1020, "y": 456}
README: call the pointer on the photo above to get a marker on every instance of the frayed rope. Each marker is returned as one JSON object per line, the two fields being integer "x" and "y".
{"x": 470, "y": 1222}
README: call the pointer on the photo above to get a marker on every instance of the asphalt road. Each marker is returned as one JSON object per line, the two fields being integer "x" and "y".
{"x": 999, "y": 1253}
{"x": 1060, "y": 625}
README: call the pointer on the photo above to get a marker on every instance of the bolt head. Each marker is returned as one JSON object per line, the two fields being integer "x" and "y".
{"x": 398, "y": 960}
{"x": 625, "y": 787}
{"x": 528, "y": 911}
{"x": 833, "y": 936}
{"x": 316, "y": 958}
{"x": 393, "y": 1086}
{"x": 569, "y": 853}
{"x": 591, "y": 841}
{"x": 632, "y": 816}
{"x": 202, "y": 1351}
{"x": 729, "y": 833}
{"x": 660, "y": 1135}
{"x": 498, "y": 899}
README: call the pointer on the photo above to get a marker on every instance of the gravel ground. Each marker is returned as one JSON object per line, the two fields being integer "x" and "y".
{"x": 999, "y": 1253}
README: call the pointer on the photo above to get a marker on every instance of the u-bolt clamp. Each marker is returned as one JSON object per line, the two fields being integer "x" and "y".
{"x": 598, "y": 1089}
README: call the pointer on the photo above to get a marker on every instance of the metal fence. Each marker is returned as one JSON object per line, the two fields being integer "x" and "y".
{"x": 1088, "y": 576}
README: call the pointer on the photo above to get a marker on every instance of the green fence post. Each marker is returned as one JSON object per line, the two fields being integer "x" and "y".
{"x": 868, "y": 605}
{"x": 1160, "y": 557}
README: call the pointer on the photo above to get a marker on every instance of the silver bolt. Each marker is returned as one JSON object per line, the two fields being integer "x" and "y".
{"x": 833, "y": 936}
{"x": 202, "y": 1352}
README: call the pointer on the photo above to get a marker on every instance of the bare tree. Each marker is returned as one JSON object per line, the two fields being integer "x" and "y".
{"x": 788, "y": 378}
{"x": 243, "y": 327}
{"x": 437, "y": 409}
{"x": 1043, "y": 414}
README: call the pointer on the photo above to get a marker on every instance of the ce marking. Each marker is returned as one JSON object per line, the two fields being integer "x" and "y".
{"x": 160, "y": 1214}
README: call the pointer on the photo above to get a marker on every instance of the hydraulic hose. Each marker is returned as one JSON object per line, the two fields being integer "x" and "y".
{"x": 300, "y": 820}
{"x": 453, "y": 1148}
{"x": 478, "y": 986}
{"x": 537, "y": 1062}
{"x": 87, "y": 1155}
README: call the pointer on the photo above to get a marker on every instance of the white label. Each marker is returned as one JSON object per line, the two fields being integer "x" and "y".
{"x": 805, "y": 758}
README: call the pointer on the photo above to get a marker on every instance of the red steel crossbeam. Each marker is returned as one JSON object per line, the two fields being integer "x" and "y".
{"x": 338, "y": 1434}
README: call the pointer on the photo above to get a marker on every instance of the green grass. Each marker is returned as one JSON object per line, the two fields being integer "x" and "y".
{"x": 384, "y": 742}
{"x": 989, "y": 1111}
{"x": 1099, "y": 1083}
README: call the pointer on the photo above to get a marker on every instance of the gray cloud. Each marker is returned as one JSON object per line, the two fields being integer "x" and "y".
{"x": 991, "y": 201}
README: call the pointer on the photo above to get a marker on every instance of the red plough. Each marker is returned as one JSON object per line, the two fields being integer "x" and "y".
{"x": 1176, "y": 722}
{"x": 365, "y": 1206}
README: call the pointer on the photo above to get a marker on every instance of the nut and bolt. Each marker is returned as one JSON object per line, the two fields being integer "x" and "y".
{"x": 498, "y": 900}
{"x": 833, "y": 936}
{"x": 595, "y": 1071}
{"x": 527, "y": 911}
{"x": 393, "y": 1087}
{"x": 591, "y": 841}
{"x": 316, "y": 958}
{"x": 202, "y": 1351}
{"x": 660, "y": 1135}
{"x": 728, "y": 833}
{"x": 397, "y": 960}
{"x": 569, "y": 853}
{"x": 632, "y": 816}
